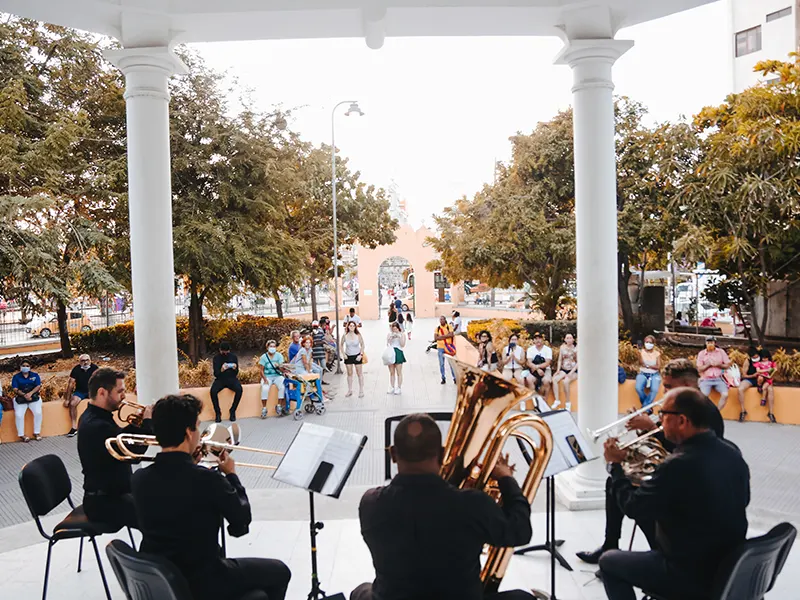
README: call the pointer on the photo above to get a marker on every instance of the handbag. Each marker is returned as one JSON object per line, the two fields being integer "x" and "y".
{"x": 388, "y": 356}
{"x": 364, "y": 358}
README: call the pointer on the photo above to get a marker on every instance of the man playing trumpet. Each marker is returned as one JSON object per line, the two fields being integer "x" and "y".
{"x": 697, "y": 499}
{"x": 181, "y": 506}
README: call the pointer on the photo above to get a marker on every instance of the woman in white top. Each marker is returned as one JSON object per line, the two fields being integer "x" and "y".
{"x": 396, "y": 340}
{"x": 648, "y": 380}
{"x": 457, "y": 323}
{"x": 353, "y": 353}
{"x": 409, "y": 325}
{"x": 567, "y": 369}
{"x": 512, "y": 359}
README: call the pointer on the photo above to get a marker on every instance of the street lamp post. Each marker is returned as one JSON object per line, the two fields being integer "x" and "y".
{"x": 353, "y": 109}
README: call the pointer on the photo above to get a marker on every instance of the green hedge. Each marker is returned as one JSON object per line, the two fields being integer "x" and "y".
{"x": 245, "y": 332}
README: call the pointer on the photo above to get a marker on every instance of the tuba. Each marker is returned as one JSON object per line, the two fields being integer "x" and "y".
{"x": 478, "y": 432}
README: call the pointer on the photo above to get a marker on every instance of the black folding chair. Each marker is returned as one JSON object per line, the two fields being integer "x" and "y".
{"x": 150, "y": 577}
{"x": 45, "y": 484}
{"x": 752, "y": 569}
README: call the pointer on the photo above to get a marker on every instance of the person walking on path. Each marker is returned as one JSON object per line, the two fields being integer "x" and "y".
{"x": 409, "y": 325}
{"x": 396, "y": 340}
{"x": 445, "y": 345}
{"x": 352, "y": 346}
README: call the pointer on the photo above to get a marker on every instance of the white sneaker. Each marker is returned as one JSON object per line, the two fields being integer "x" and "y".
{"x": 397, "y": 391}
{"x": 263, "y": 413}
{"x": 391, "y": 390}
{"x": 556, "y": 404}
{"x": 568, "y": 406}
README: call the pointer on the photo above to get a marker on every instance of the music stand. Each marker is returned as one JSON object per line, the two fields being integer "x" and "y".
{"x": 320, "y": 460}
{"x": 569, "y": 450}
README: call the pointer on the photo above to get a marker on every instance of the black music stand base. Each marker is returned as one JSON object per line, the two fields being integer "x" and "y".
{"x": 316, "y": 592}
{"x": 551, "y": 543}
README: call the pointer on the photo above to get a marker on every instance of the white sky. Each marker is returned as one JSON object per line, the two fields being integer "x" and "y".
{"x": 440, "y": 110}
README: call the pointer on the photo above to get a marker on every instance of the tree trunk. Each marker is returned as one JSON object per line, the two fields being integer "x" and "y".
{"x": 197, "y": 338}
{"x": 751, "y": 305}
{"x": 313, "y": 287}
{"x": 623, "y": 276}
{"x": 278, "y": 303}
{"x": 63, "y": 331}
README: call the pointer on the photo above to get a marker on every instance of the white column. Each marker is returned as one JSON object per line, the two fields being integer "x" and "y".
{"x": 147, "y": 71}
{"x": 596, "y": 250}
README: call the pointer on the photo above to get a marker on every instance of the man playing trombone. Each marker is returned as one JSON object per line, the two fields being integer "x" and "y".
{"x": 182, "y": 504}
{"x": 697, "y": 499}
{"x": 106, "y": 482}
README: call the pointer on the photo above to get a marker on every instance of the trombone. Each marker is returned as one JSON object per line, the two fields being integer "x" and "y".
{"x": 134, "y": 418}
{"x": 214, "y": 441}
{"x": 596, "y": 434}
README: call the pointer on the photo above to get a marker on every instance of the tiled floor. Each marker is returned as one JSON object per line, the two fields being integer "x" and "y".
{"x": 281, "y": 531}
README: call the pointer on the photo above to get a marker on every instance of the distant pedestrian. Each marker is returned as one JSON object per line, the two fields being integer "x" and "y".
{"x": 26, "y": 385}
{"x": 457, "y": 323}
{"x": 352, "y": 346}
{"x": 396, "y": 340}
{"x": 409, "y": 325}
{"x": 398, "y": 304}
{"x": 78, "y": 389}
{"x": 319, "y": 355}
{"x": 352, "y": 316}
{"x": 392, "y": 314}
{"x": 445, "y": 345}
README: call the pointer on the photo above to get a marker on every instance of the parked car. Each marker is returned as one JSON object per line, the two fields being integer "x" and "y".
{"x": 76, "y": 321}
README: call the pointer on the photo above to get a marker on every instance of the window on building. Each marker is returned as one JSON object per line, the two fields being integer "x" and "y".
{"x": 784, "y": 12}
{"x": 748, "y": 41}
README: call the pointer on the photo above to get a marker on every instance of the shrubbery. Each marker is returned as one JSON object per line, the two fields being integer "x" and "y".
{"x": 245, "y": 332}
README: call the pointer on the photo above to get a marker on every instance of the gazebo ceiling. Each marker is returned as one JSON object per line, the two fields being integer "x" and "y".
{"x": 165, "y": 22}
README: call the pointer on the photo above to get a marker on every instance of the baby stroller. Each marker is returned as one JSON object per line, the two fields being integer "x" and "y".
{"x": 301, "y": 388}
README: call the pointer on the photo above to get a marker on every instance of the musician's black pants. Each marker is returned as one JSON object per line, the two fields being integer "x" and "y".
{"x": 648, "y": 571}
{"x": 364, "y": 592}
{"x": 614, "y": 516}
{"x": 115, "y": 511}
{"x": 238, "y": 576}
{"x": 218, "y": 386}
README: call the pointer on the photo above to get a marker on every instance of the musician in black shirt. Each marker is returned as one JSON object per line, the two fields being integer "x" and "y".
{"x": 181, "y": 506}
{"x": 106, "y": 481}
{"x": 226, "y": 375}
{"x": 697, "y": 498}
{"x": 679, "y": 372}
{"x": 425, "y": 535}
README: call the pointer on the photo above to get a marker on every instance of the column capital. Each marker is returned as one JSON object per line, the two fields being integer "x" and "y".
{"x": 605, "y": 50}
{"x": 147, "y": 70}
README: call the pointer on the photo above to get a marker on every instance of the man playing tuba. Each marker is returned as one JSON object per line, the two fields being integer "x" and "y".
{"x": 425, "y": 535}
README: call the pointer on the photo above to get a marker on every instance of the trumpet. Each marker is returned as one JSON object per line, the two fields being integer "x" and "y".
{"x": 214, "y": 441}
{"x": 134, "y": 418}
{"x": 596, "y": 434}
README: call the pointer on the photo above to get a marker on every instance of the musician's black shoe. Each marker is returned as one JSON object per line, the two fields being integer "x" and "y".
{"x": 592, "y": 557}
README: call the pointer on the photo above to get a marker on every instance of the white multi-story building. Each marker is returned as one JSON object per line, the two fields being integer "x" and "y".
{"x": 761, "y": 30}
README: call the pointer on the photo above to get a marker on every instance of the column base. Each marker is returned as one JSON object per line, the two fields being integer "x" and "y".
{"x": 579, "y": 493}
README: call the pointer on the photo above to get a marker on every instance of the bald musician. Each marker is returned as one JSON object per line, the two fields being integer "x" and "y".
{"x": 697, "y": 499}
{"x": 425, "y": 535}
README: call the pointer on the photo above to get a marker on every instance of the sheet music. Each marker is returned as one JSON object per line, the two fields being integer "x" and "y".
{"x": 314, "y": 444}
{"x": 566, "y": 433}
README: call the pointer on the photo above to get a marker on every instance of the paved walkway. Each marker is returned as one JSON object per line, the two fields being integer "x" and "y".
{"x": 280, "y": 511}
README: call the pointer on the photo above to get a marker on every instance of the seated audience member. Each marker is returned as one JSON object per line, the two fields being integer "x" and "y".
{"x": 425, "y": 535}
{"x": 226, "y": 376}
{"x": 25, "y": 386}
{"x": 78, "y": 389}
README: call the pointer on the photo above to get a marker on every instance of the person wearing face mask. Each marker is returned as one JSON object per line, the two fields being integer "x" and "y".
{"x": 271, "y": 374}
{"x": 78, "y": 388}
{"x": 648, "y": 381}
{"x": 26, "y": 385}
{"x": 710, "y": 363}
